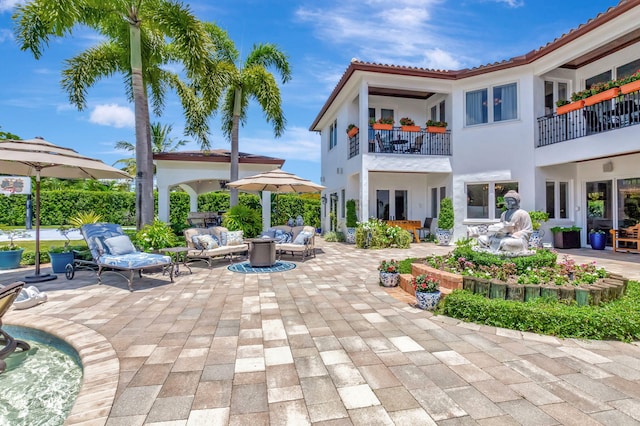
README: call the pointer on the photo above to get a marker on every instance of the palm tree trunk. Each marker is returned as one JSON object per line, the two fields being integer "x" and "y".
{"x": 144, "y": 160}
{"x": 235, "y": 156}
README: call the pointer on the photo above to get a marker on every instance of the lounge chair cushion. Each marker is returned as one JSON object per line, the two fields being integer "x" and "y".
{"x": 119, "y": 245}
{"x": 134, "y": 260}
{"x": 282, "y": 236}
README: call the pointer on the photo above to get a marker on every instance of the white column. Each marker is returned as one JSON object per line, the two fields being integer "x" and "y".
{"x": 363, "y": 105}
{"x": 266, "y": 210}
{"x": 193, "y": 197}
{"x": 163, "y": 203}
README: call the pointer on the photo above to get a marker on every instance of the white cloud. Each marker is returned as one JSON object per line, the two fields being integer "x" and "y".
{"x": 112, "y": 115}
{"x": 8, "y": 5}
{"x": 5, "y": 35}
{"x": 296, "y": 144}
{"x": 409, "y": 32}
{"x": 512, "y": 3}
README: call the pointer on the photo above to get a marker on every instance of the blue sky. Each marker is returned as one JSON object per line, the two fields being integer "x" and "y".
{"x": 320, "y": 39}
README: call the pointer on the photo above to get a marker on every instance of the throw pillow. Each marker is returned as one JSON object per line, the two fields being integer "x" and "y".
{"x": 280, "y": 236}
{"x": 302, "y": 237}
{"x": 208, "y": 241}
{"x": 196, "y": 242}
{"x": 119, "y": 245}
{"x": 223, "y": 238}
{"x": 234, "y": 238}
{"x": 100, "y": 246}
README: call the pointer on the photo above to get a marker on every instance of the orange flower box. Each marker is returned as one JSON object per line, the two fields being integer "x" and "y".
{"x": 378, "y": 126}
{"x": 354, "y": 131}
{"x": 436, "y": 129}
{"x": 602, "y": 96}
{"x": 570, "y": 107}
{"x": 634, "y": 86}
{"x": 410, "y": 128}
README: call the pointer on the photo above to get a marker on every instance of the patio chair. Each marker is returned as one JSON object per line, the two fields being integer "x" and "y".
{"x": 425, "y": 230}
{"x": 382, "y": 146}
{"x": 8, "y": 344}
{"x": 416, "y": 146}
{"x": 113, "y": 251}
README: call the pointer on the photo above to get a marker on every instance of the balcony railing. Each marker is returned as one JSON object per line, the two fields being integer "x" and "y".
{"x": 397, "y": 141}
{"x": 605, "y": 116}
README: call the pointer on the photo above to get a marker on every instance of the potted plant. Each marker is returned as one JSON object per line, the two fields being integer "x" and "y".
{"x": 10, "y": 254}
{"x": 352, "y": 221}
{"x": 61, "y": 256}
{"x": 436, "y": 126}
{"x": 445, "y": 222}
{"x": 408, "y": 125}
{"x": 352, "y": 130}
{"x": 597, "y": 239}
{"x": 630, "y": 84}
{"x": 384, "y": 123}
{"x": 389, "y": 274}
{"x": 537, "y": 217}
{"x": 427, "y": 290}
{"x": 565, "y": 237}
{"x": 564, "y": 106}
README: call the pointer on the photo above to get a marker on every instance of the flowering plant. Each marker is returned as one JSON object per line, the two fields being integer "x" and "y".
{"x": 596, "y": 231}
{"x": 389, "y": 266}
{"x": 425, "y": 283}
{"x": 406, "y": 121}
{"x": 434, "y": 123}
{"x": 385, "y": 120}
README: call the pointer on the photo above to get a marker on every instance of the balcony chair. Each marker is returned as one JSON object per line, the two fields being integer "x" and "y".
{"x": 416, "y": 146}
{"x": 383, "y": 146}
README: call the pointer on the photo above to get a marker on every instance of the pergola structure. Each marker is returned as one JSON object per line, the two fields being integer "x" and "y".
{"x": 199, "y": 172}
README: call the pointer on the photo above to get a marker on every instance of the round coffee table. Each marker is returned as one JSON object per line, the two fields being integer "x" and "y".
{"x": 262, "y": 252}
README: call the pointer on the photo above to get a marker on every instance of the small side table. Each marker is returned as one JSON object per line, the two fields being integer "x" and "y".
{"x": 176, "y": 254}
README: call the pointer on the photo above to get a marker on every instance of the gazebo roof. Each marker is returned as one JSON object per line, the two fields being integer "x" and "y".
{"x": 216, "y": 156}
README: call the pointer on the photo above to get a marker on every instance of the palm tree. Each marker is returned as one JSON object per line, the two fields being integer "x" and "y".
{"x": 252, "y": 80}
{"x": 139, "y": 37}
{"x": 160, "y": 142}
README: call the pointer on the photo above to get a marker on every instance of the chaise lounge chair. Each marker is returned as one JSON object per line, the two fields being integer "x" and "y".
{"x": 113, "y": 251}
{"x": 7, "y": 343}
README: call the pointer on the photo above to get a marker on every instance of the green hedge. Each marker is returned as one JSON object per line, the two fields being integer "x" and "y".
{"x": 56, "y": 207}
{"x": 619, "y": 319}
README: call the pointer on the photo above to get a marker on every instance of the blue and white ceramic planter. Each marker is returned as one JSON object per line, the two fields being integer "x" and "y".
{"x": 535, "y": 240}
{"x": 350, "y": 236}
{"x": 427, "y": 301}
{"x": 444, "y": 236}
{"x": 389, "y": 279}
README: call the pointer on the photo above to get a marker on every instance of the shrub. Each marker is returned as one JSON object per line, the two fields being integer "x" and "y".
{"x": 405, "y": 265}
{"x": 445, "y": 217}
{"x": 352, "y": 217}
{"x": 376, "y": 234}
{"x": 618, "y": 319}
{"x": 154, "y": 236}
{"x": 243, "y": 218}
{"x": 334, "y": 237}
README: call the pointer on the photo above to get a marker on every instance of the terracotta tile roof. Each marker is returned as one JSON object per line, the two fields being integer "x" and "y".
{"x": 357, "y": 65}
{"x": 216, "y": 156}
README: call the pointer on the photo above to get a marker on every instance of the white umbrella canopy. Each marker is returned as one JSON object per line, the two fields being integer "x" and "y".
{"x": 40, "y": 158}
{"x": 275, "y": 181}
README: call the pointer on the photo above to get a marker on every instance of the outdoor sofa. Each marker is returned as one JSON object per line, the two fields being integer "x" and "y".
{"x": 217, "y": 241}
{"x": 294, "y": 239}
{"x": 113, "y": 251}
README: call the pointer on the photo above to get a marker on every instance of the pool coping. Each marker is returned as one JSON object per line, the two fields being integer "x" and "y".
{"x": 100, "y": 364}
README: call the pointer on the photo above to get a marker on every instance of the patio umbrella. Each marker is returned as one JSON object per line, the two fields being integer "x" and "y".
{"x": 275, "y": 181}
{"x": 39, "y": 158}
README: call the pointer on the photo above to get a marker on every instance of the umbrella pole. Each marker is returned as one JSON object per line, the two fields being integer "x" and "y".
{"x": 37, "y": 278}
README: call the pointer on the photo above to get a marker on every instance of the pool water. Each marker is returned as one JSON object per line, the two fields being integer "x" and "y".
{"x": 40, "y": 386}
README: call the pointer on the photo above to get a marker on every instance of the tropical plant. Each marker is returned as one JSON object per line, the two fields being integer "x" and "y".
{"x": 425, "y": 283}
{"x": 8, "y": 135}
{"x": 155, "y": 236}
{"x": 406, "y": 121}
{"x": 84, "y": 218}
{"x": 391, "y": 265}
{"x": 243, "y": 218}
{"x": 352, "y": 217}
{"x": 433, "y": 123}
{"x": 161, "y": 141}
{"x": 252, "y": 80}
{"x": 136, "y": 40}
{"x": 537, "y": 217}
{"x": 445, "y": 217}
